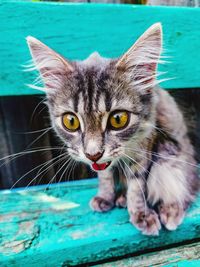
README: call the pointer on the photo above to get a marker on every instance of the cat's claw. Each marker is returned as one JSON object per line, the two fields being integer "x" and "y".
{"x": 121, "y": 202}
{"x": 100, "y": 204}
{"x": 146, "y": 221}
{"x": 171, "y": 215}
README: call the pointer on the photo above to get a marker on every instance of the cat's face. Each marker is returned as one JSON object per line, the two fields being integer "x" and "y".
{"x": 96, "y": 114}
{"x": 99, "y": 106}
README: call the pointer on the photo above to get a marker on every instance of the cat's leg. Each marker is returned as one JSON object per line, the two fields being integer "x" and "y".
{"x": 121, "y": 190}
{"x": 141, "y": 216}
{"x": 167, "y": 186}
{"x": 173, "y": 184}
{"x": 171, "y": 215}
{"x": 121, "y": 201}
{"x": 105, "y": 199}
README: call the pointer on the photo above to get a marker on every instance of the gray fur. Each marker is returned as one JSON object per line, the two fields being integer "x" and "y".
{"x": 153, "y": 152}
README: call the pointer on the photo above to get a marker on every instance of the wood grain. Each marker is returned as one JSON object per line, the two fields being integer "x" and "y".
{"x": 194, "y": 3}
{"x": 183, "y": 256}
{"x": 76, "y": 30}
{"x": 57, "y": 225}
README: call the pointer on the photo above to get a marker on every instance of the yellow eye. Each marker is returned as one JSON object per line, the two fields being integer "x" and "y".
{"x": 71, "y": 122}
{"x": 119, "y": 120}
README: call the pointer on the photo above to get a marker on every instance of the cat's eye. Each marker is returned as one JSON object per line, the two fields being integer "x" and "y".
{"x": 118, "y": 120}
{"x": 70, "y": 122}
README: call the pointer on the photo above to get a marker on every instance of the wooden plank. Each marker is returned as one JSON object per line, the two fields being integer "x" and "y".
{"x": 183, "y": 256}
{"x": 57, "y": 225}
{"x": 194, "y": 3}
{"x": 76, "y": 30}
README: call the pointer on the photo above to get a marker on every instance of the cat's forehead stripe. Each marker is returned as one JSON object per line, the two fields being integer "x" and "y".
{"x": 103, "y": 88}
{"x": 79, "y": 89}
{"x": 101, "y": 103}
{"x": 80, "y": 106}
{"x": 90, "y": 89}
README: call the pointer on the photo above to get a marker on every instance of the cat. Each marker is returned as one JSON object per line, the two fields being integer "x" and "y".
{"x": 113, "y": 116}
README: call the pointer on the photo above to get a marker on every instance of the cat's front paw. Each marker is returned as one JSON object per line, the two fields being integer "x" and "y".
{"x": 121, "y": 202}
{"x": 171, "y": 215}
{"x": 100, "y": 204}
{"x": 146, "y": 221}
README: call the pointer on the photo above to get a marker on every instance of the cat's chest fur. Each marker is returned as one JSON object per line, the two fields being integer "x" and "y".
{"x": 110, "y": 115}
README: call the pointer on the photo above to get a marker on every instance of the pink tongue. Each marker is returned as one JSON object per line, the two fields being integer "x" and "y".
{"x": 99, "y": 167}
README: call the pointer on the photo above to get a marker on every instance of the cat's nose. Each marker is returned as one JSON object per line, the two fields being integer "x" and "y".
{"x": 94, "y": 157}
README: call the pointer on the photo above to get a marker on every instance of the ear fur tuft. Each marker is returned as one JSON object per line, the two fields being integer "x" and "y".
{"x": 139, "y": 63}
{"x": 50, "y": 64}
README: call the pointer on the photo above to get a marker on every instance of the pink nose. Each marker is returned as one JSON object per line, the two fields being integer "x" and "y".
{"x": 95, "y": 157}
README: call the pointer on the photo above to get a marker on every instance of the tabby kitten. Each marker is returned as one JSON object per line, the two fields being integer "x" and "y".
{"x": 112, "y": 116}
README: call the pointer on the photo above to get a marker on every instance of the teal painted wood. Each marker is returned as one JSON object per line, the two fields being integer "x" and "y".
{"x": 188, "y": 263}
{"x": 57, "y": 226}
{"x": 76, "y": 30}
{"x": 183, "y": 256}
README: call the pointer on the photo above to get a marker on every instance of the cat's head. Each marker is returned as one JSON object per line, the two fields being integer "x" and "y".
{"x": 99, "y": 106}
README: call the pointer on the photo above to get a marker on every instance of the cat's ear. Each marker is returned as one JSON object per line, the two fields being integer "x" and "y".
{"x": 139, "y": 63}
{"x": 51, "y": 65}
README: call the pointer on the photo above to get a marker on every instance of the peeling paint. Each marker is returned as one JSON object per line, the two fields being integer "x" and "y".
{"x": 65, "y": 206}
{"x": 46, "y": 198}
{"x": 78, "y": 234}
{"x": 62, "y": 230}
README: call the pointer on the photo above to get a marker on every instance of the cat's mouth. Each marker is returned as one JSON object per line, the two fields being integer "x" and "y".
{"x": 100, "y": 166}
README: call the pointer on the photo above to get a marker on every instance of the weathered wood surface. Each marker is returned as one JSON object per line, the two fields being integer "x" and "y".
{"x": 191, "y": 3}
{"x": 183, "y": 256}
{"x": 76, "y": 30}
{"x": 56, "y": 227}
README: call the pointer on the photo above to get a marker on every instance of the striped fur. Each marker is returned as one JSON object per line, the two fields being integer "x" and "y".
{"x": 151, "y": 157}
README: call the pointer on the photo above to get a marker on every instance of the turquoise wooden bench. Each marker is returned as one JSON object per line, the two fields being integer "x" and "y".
{"x": 53, "y": 226}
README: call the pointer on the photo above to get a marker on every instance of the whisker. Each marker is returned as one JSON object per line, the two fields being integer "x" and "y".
{"x": 67, "y": 163}
{"x": 53, "y": 163}
{"x": 40, "y": 136}
{"x": 35, "y": 109}
{"x": 158, "y": 129}
{"x": 60, "y": 179}
{"x": 147, "y": 158}
{"x": 59, "y": 167}
{"x": 153, "y": 177}
{"x": 23, "y": 153}
{"x": 145, "y": 170}
{"x": 161, "y": 156}
{"x": 24, "y": 175}
{"x": 44, "y": 171}
{"x": 70, "y": 168}
{"x": 55, "y": 175}
{"x": 37, "y": 131}
{"x": 123, "y": 169}
{"x": 73, "y": 174}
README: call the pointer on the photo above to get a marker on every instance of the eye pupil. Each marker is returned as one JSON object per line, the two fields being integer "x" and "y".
{"x": 71, "y": 121}
{"x": 117, "y": 119}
